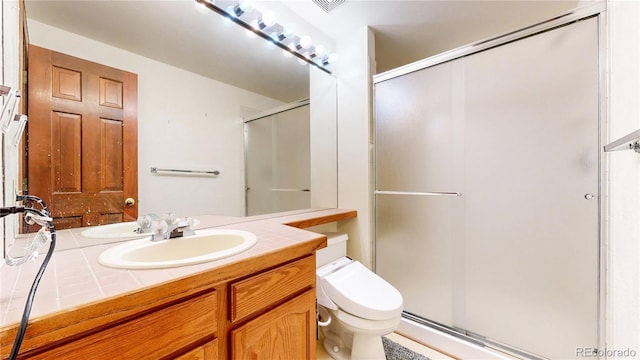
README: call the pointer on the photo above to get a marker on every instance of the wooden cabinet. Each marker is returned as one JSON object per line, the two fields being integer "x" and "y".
{"x": 156, "y": 335}
{"x": 260, "y": 291}
{"x": 263, "y": 314}
{"x": 282, "y": 303}
{"x": 286, "y": 332}
{"x": 208, "y": 351}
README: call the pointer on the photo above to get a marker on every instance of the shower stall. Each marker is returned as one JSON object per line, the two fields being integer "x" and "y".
{"x": 277, "y": 159}
{"x": 487, "y": 178}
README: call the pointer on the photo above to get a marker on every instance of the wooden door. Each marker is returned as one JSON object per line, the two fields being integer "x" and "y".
{"x": 82, "y": 139}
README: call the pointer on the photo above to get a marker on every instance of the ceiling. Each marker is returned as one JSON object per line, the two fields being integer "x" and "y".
{"x": 176, "y": 33}
{"x": 407, "y": 31}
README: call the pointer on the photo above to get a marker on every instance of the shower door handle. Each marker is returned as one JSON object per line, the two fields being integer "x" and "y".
{"x": 414, "y": 193}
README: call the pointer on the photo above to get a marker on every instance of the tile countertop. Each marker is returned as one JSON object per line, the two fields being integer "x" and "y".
{"x": 74, "y": 277}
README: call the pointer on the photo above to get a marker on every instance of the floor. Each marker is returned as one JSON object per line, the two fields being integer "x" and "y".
{"x": 408, "y": 343}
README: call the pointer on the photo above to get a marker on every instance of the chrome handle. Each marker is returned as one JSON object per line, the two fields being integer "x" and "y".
{"x": 291, "y": 190}
{"x": 437, "y": 193}
{"x": 155, "y": 170}
{"x": 589, "y": 196}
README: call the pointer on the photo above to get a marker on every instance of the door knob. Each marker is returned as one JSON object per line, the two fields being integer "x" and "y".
{"x": 589, "y": 196}
{"x": 130, "y": 202}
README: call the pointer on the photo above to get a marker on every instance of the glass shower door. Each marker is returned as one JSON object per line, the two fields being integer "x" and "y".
{"x": 277, "y": 162}
{"x": 415, "y": 226}
{"x": 531, "y": 192}
{"x": 514, "y": 261}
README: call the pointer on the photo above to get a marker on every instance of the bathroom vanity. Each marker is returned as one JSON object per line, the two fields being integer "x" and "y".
{"x": 257, "y": 304}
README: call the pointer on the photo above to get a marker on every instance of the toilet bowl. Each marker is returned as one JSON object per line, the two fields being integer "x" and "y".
{"x": 361, "y": 305}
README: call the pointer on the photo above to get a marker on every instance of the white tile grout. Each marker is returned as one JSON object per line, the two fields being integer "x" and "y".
{"x": 93, "y": 274}
{"x": 55, "y": 279}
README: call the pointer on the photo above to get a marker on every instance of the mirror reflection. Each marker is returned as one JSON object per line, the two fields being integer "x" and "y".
{"x": 277, "y": 160}
{"x": 198, "y": 77}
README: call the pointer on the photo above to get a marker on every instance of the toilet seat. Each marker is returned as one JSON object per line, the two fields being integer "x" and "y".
{"x": 360, "y": 292}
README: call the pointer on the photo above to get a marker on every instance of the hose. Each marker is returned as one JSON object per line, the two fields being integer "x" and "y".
{"x": 32, "y": 292}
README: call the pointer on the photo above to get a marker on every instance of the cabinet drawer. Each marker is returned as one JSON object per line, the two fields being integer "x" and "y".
{"x": 151, "y": 336}
{"x": 267, "y": 289}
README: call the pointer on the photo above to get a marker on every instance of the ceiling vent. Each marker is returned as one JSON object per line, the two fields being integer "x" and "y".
{"x": 328, "y": 5}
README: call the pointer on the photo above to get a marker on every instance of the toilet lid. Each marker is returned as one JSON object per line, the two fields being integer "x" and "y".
{"x": 358, "y": 291}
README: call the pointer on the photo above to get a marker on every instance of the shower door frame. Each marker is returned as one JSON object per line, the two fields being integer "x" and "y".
{"x": 597, "y": 10}
{"x": 271, "y": 112}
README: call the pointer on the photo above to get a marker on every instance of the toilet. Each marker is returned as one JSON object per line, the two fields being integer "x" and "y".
{"x": 356, "y": 306}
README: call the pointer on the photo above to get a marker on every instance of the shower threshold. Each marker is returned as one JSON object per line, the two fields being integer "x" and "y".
{"x": 455, "y": 342}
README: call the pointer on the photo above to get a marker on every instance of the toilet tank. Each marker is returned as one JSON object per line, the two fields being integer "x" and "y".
{"x": 336, "y": 248}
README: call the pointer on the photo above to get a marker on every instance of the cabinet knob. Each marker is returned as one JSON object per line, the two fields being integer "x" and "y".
{"x": 130, "y": 202}
{"x": 589, "y": 196}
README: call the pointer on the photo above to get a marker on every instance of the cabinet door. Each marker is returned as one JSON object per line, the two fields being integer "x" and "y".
{"x": 286, "y": 332}
{"x": 208, "y": 351}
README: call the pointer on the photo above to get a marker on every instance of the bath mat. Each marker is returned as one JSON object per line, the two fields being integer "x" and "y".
{"x": 395, "y": 351}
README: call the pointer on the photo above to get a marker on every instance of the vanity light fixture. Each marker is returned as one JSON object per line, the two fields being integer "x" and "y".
{"x": 282, "y": 32}
{"x": 266, "y": 20}
{"x": 305, "y": 42}
{"x": 265, "y": 25}
{"x": 240, "y": 8}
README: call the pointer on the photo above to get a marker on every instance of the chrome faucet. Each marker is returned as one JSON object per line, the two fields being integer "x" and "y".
{"x": 144, "y": 223}
{"x": 170, "y": 227}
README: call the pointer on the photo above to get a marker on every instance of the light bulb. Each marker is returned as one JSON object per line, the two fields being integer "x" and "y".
{"x": 305, "y": 41}
{"x": 268, "y": 19}
{"x": 333, "y": 58}
{"x": 245, "y": 5}
{"x": 319, "y": 50}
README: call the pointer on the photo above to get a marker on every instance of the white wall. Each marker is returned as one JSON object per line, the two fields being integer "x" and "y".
{"x": 353, "y": 71}
{"x": 185, "y": 121}
{"x": 623, "y": 197}
{"x": 10, "y": 76}
{"x": 324, "y": 135}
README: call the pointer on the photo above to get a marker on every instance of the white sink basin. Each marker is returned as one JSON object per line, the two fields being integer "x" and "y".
{"x": 206, "y": 245}
{"x": 125, "y": 230}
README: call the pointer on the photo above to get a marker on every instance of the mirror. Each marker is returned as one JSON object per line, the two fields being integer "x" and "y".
{"x": 199, "y": 75}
